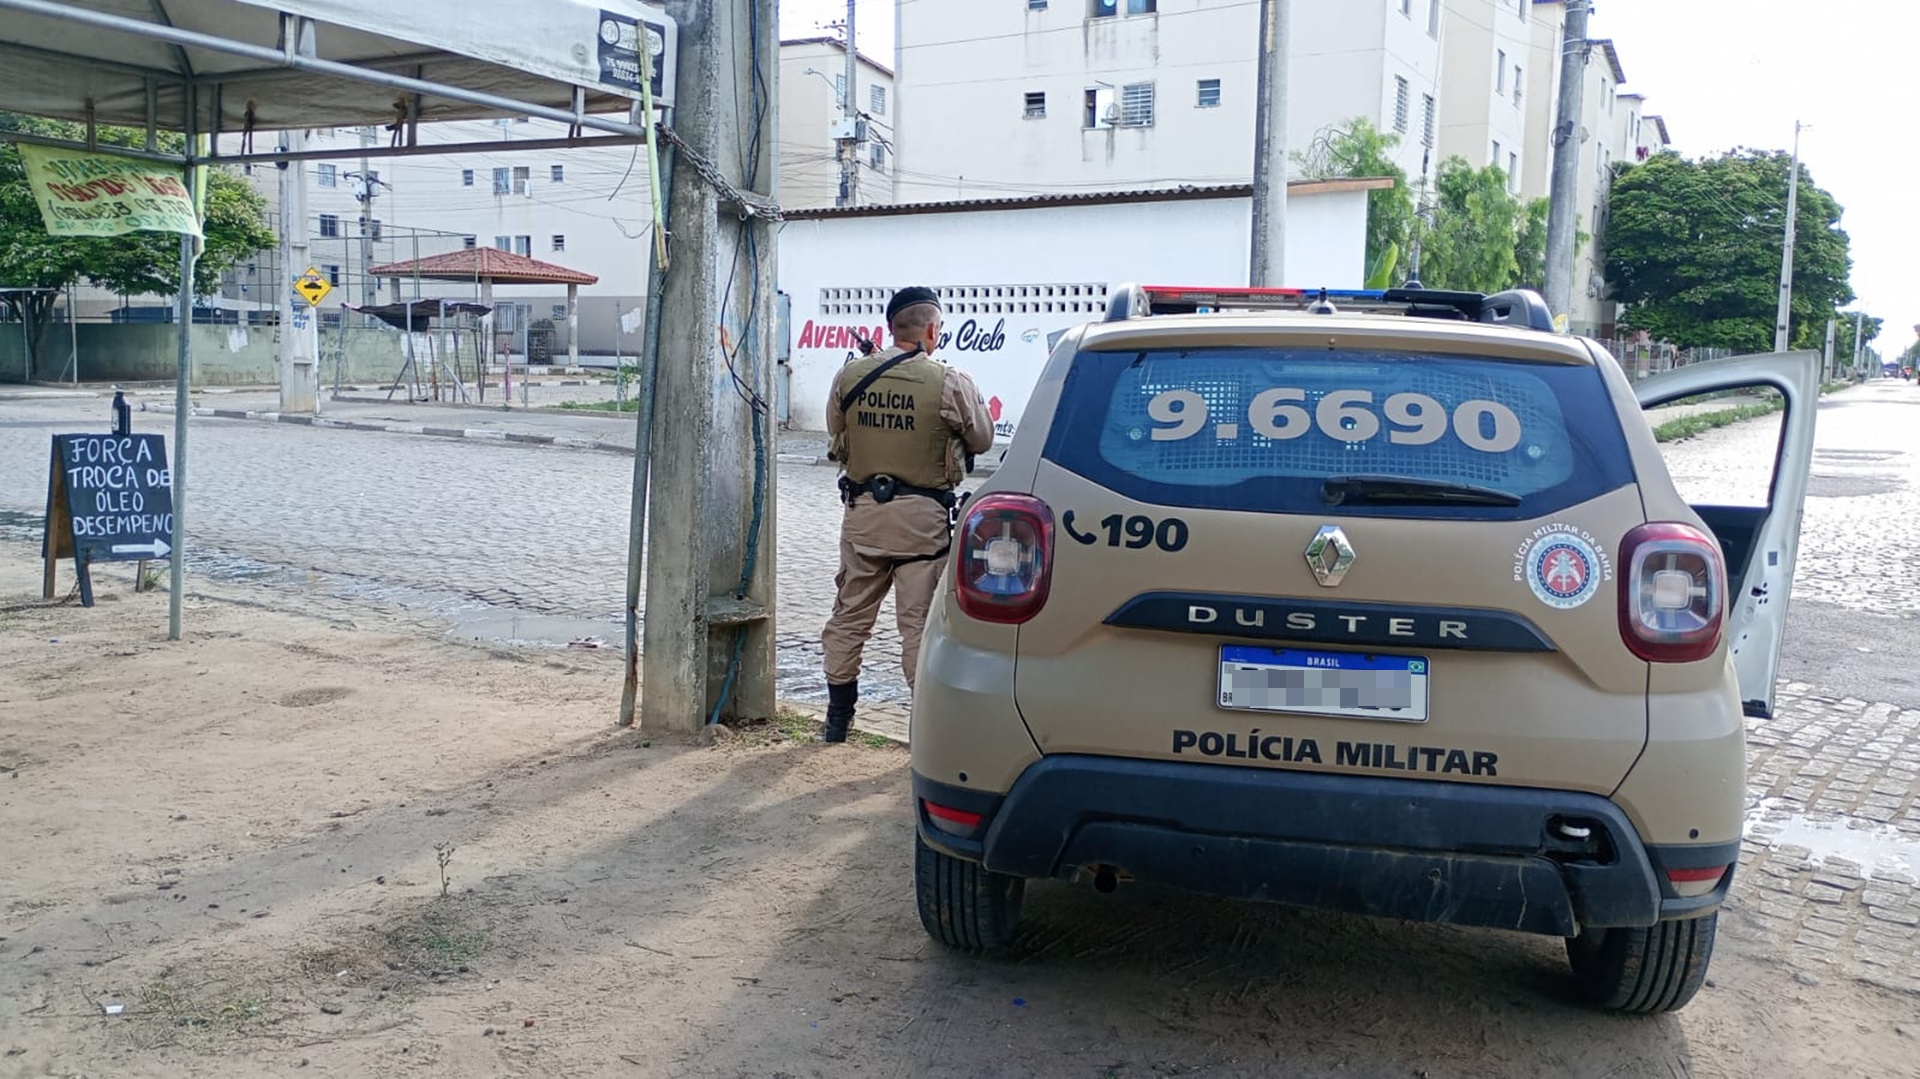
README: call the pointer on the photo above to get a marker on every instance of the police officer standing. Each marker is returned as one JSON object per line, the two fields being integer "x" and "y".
{"x": 902, "y": 427}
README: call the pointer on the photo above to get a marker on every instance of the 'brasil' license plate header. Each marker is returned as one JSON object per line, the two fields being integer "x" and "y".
{"x": 1347, "y": 684}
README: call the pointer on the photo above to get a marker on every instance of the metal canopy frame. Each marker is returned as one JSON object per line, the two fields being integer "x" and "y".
{"x": 296, "y": 55}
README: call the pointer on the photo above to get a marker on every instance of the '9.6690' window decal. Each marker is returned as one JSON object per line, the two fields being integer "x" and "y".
{"x": 1264, "y": 429}
{"x": 1348, "y": 415}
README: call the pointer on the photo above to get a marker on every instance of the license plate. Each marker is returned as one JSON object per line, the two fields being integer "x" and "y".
{"x": 1350, "y": 684}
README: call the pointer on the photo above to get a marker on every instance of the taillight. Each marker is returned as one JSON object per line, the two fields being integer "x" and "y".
{"x": 1003, "y": 562}
{"x": 956, "y": 822}
{"x": 1673, "y": 596}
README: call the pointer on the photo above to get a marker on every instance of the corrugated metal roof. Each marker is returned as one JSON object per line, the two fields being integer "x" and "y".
{"x": 1087, "y": 198}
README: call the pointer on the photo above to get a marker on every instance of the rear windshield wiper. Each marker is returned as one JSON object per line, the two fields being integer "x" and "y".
{"x": 1408, "y": 491}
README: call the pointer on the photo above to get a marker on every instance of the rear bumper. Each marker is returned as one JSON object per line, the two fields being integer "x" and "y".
{"x": 1423, "y": 850}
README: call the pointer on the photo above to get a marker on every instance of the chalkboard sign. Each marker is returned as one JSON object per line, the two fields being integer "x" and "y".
{"x": 109, "y": 499}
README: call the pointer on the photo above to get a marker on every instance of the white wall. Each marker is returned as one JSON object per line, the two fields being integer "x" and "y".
{"x": 839, "y": 272}
{"x": 964, "y": 71}
{"x": 1486, "y": 41}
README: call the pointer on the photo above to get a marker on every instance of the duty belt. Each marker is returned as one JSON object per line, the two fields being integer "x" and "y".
{"x": 885, "y": 489}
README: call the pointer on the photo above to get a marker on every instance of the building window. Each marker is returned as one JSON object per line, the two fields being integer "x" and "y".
{"x": 370, "y": 228}
{"x": 503, "y": 243}
{"x": 1427, "y": 109}
{"x": 1209, "y": 94}
{"x": 559, "y": 174}
{"x": 559, "y": 242}
{"x": 1500, "y": 71}
{"x": 1136, "y": 105}
{"x": 329, "y": 226}
{"x": 466, "y": 177}
{"x": 877, "y": 99}
{"x": 1102, "y": 9}
{"x": 500, "y": 181}
{"x": 523, "y": 245}
{"x": 1401, "y": 91}
{"x": 1036, "y": 5}
{"x": 1521, "y": 6}
{"x": 1433, "y": 18}
{"x": 1406, "y": 8}
{"x": 469, "y": 242}
{"x": 877, "y": 157}
{"x": 328, "y": 175}
{"x": 1495, "y": 159}
{"x": 1142, "y": 7}
{"x": 521, "y": 174}
{"x": 558, "y": 310}
{"x": 1036, "y": 105}
{"x": 1519, "y": 79}
{"x": 333, "y": 273}
{"x": 1513, "y": 171}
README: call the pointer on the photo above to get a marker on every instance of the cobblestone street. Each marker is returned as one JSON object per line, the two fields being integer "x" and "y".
{"x": 1833, "y": 849}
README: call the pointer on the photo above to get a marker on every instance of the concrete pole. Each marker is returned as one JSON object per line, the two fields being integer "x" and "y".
{"x": 850, "y": 114}
{"x": 709, "y": 543}
{"x": 1859, "y": 319}
{"x": 1562, "y": 215}
{"x": 299, "y": 323}
{"x": 367, "y": 191}
{"x": 1268, "y": 267}
{"x": 1826, "y": 369}
{"x": 573, "y": 325}
{"x": 1782, "y": 315}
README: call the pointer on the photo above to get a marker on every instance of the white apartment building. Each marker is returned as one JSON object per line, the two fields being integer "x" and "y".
{"x": 1488, "y": 89}
{"x": 1037, "y": 96}
{"x": 813, "y": 76}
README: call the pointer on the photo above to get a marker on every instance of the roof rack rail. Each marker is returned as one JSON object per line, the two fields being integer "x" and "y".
{"x": 1515, "y": 307}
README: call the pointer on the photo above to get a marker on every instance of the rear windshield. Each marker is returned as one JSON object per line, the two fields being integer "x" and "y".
{"x": 1261, "y": 429}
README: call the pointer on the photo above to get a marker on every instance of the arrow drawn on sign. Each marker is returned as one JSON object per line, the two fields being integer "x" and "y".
{"x": 156, "y": 549}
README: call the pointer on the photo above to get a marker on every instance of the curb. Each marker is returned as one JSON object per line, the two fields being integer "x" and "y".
{"x": 564, "y": 442}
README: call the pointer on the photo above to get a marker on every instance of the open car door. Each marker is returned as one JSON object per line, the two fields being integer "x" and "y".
{"x": 1759, "y": 542}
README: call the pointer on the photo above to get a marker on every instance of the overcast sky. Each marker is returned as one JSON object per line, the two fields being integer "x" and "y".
{"x": 1728, "y": 73}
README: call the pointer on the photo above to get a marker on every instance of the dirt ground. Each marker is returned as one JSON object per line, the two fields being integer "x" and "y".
{"x": 330, "y": 841}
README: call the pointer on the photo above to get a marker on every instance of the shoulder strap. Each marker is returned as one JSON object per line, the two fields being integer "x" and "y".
{"x": 873, "y": 376}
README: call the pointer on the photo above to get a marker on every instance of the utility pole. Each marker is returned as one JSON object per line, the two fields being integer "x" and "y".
{"x": 850, "y": 124}
{"x": 1268, "y": 267}
{"x": 1859, "y": 318}
{"x": 708, "y": 650}
{"x": 299, "y": 322}
{"x": 1826, "y": 371}
{"x": 367, "y": 190}
{"x": 1562, "y": 214}
{"x": 1781, "y": 314}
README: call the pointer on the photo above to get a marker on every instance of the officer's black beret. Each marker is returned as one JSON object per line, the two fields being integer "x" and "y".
{"x": 909, "y": 296}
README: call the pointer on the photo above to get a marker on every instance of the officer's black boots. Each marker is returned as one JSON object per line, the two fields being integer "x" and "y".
{"x": 840, "y": 701}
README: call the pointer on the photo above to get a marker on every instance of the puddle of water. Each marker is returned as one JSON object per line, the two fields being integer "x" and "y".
{"x": 535, "y": 630}
{"x": 1880, "y": 848}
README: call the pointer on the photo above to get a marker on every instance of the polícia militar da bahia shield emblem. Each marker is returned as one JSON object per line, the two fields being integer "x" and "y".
{"x": 1563, "y": 570}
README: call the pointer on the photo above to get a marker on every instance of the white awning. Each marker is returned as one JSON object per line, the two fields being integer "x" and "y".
{"x": 265, "y": 65}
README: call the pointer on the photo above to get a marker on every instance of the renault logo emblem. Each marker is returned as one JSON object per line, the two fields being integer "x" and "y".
{"x": 1330, "y": 555}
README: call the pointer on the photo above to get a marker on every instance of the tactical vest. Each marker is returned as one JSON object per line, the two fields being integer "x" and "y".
{"x": 894, "y": 428}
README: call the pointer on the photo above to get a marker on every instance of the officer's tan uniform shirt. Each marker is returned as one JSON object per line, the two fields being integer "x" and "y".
{"x": 876, "y": 537}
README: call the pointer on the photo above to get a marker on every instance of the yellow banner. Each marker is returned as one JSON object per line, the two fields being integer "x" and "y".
{"x": 95, "y": 194}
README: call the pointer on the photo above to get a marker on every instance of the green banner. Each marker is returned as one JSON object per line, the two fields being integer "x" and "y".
{"x": 96, "y": 194}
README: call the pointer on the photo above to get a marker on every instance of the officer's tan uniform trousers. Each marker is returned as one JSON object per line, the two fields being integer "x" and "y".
{"x": 895, "y": 545}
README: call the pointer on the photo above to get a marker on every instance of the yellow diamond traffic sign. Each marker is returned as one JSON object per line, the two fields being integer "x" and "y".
{"x": 313, "y": 286}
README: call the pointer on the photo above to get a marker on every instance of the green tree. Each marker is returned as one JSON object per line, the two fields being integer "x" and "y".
{"x": 1358, "y": 150}
{"x": 1843, "y": 335}
{"x": 1473, "y": 243}
{"x": 141, "y": 262}
{"x": 1693, "y": 249}
{"x": 1530, "y": 245}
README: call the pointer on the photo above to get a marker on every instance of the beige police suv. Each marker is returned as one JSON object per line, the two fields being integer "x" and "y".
{"x": 1381, "y": 603}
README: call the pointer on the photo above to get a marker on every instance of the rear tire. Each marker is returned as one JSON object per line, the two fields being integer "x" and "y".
{"x": 964, "y": 906}
{"x": 1643, "y": 970}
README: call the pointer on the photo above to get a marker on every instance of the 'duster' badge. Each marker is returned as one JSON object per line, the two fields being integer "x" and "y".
{"x": 1563, "y": 569}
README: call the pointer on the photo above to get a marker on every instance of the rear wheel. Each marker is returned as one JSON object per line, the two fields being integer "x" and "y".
{"x": 1643, "y": 970}
{"x": 962, "y": 905}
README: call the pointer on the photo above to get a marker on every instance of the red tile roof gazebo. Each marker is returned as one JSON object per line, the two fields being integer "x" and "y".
{"x": 490, "y": 266}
